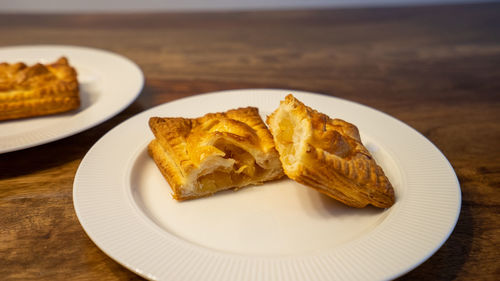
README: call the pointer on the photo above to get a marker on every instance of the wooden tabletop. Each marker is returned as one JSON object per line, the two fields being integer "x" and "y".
{"x": 436, "y": 68}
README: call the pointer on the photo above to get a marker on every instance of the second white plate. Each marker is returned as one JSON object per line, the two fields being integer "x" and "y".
{"x": 108, "y": 84}
{"x": 277, "y": 231}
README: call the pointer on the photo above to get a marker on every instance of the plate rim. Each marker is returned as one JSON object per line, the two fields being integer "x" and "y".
{"x": 137, "y": 270}
{"x": 44, "y": 137}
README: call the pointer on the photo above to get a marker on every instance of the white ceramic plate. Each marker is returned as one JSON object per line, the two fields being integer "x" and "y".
{"x": 108, "y": 84}
{"x": 276, "y": 231}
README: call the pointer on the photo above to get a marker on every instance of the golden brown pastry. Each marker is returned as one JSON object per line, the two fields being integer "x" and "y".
{"x": 27, "y": 91}
{"x": 218, "y": 151}
{"x": 327, "y": 154}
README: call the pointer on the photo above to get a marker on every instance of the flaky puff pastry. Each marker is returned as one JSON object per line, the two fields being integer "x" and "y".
{"x": 218, "y": 151}
{"x": 327, "y": 154}
{"x": 40, "y": 89}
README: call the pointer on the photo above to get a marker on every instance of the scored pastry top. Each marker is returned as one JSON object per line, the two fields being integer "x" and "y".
{"x": 20, "y": 77}
{"x": 235, "y": 146}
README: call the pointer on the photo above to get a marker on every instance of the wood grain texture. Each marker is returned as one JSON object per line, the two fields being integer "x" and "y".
{"x": 435, "y": 68}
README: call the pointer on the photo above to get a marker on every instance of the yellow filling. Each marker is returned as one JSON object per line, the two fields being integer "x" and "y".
{"x": 243, "y": 170}
{"x": 286, "y": 143}
{"x": 215, "y": 181}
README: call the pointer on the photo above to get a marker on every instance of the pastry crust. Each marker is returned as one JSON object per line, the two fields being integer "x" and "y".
{"x": 218, "y": 151}
{"x": 327, "y": 154}
{"x": 40, "y": 89}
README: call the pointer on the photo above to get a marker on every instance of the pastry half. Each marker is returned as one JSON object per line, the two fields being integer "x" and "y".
{"x": 327, "y": 154}
{"x": 40, "y": 89}
{"x": 218, "y": 151}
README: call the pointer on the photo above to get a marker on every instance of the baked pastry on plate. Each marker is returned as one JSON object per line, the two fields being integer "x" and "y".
{"x": 40, "y": 89}
{"x": 327, "y": 154}
{"x": 218, "y": 151}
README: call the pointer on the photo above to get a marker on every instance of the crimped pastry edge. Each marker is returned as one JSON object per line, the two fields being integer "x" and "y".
{"x": 322, "y": 163}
